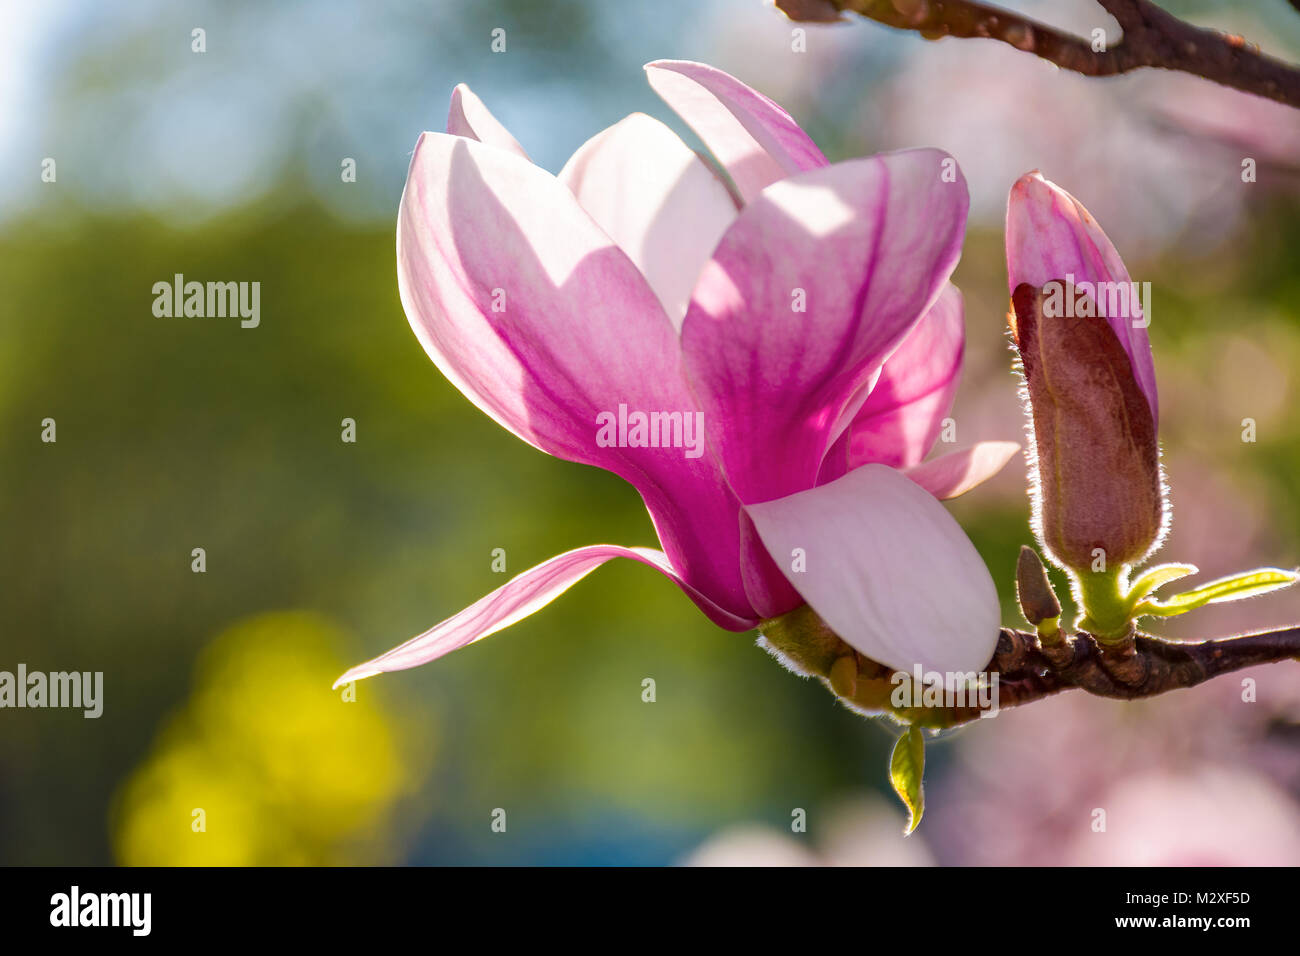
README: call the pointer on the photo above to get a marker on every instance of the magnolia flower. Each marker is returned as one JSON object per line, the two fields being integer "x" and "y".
{"x": 766, "y": 355}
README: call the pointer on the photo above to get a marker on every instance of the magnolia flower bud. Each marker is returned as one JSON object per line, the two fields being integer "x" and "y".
{"x": 1098, "y": 494}
{"x": 1081, "y": 327}
{"x": 1034, "y": 591}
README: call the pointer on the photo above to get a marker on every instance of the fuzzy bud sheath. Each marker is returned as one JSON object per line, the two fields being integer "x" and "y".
{"x": 1096, "y": 480}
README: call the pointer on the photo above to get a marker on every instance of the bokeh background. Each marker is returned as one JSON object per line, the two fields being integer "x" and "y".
{"x": 177, "y": 434}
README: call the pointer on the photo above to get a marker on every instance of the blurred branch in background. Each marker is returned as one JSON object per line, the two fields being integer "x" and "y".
{"x": 1152, "y": 38}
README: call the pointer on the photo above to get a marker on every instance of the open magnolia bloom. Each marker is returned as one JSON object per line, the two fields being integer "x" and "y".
{"x": 767, "y": 356}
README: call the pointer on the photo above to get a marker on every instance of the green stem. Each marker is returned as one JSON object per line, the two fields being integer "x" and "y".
{"x": 1104, "y": 600}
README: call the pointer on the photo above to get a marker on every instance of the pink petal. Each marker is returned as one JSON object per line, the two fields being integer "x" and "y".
{"x": 1051, "y": 236}
{"x": 519, "y": 597}
{"x": 770, "y": 593}
{"x": 958, "y": 472}
{"x": 529, "y": 308}
{"x": 657, "y": 199}
{"x": 754, "y": 139}
{"x": 468, "y": 117}
{"x": 901, "y": 419}
{"x": 888, "y": 569}
{"x": 866, "y": 246}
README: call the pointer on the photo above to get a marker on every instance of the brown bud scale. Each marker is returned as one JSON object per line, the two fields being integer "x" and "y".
{"x": 1098, "y": 482}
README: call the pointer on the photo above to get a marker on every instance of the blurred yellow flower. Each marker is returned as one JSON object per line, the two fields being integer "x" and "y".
{"x": 265, "y": 765}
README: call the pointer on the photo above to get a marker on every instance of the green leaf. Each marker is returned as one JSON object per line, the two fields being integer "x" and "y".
{"x": 1152, "y": 579}
{"x": 1238, "y": 587}
{"x": 906, "y": 768}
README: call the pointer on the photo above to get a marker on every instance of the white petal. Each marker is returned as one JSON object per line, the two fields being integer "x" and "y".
{"x": 657, "y": 199}
{"x": 468, "y": 117}
{"x": 958, "y": 472}
{"x": 888, "y": 569}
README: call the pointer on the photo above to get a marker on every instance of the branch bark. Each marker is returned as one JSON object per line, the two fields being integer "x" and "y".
{"x": 1152, "y": 38}
{"x": 1028, "y": 668}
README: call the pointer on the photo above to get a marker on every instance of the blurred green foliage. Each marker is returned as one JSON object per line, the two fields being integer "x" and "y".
{"x": 182, "y": 433}
{"x": 175, "y": 434}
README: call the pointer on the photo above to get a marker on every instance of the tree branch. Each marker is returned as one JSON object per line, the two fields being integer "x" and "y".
{"x": 1028, "y": 668}
{"x": 1152, "y": 38}
{"x": 1144, "y": 666}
